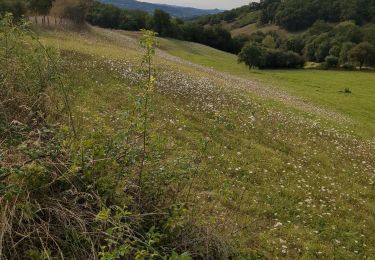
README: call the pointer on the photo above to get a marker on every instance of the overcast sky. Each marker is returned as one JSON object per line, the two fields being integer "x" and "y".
{"x": 207, "y": 4}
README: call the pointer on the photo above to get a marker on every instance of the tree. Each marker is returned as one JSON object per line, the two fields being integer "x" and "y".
{"x": 309, "y": 51}
{"x": 267, "y": 15}
{"x": 295, "y": 44}
{"x": 74, "y": 10}
{"x": 269, "y": 42}
{"x": 279, "y": 59}
{"x": 218, "y": 37}
{"x": 16, "y": 7}
{"x": 252, "y": 55}
{"x": 296, "y": 15}
{"x": 40, "y": 7}
{"x": 319, "y": 27}
{"x": 369, "y": 33}
{"x": 162, "y": 23}
{"x": 349, "y": 10}
{"x": 344, "y": 53}
{"x": 238, "y": 42}
{"x": 335, "y": 51}
{"x": 107, "y": 16}
{"x": 363, "y": 54}
{"x": 322, "y": 51}
{"x": 257, "y": 37}
{"x": 347, "y": 31}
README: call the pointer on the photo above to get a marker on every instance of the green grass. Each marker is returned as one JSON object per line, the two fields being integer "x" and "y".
{"x": 327, "y": 89}
{"x": 323, "y": 88}
{"x": 246, "y": 19}
{"x": 253, "y": 27}
{"x": 271, "y": 181}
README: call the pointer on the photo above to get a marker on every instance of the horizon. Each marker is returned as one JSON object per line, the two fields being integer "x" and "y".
{"x": 208, "y": 4}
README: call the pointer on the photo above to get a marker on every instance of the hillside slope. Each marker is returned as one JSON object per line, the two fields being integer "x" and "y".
{"x": 315, "y": 88}
{"x": 278, "y": 175}
{"x": 296, "y": 15}
{"x": 176, "y": 11}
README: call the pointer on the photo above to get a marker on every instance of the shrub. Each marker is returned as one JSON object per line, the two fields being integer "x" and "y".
{"x": 256, "y": 56}
{"x": 294, "y": 60}
{"x": 25, "y": 75}
{"x": 332, "y": 61}
{"x": 323, "y": 66}
{"x": 280, "y": 59}
{"x": 37, "y": 203}
{"x": 344, "y": 52}
{"x": 348, "y": 66}
{"x": 363, "y": 54}
{"x": 252, "y": 55}
{"x": 322, "y": 51}
{"x": 257, "y": 37}
{"x": 269, "y": 42}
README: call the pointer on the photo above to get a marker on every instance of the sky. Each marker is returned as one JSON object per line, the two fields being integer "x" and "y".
{"x": 205, "y": 4}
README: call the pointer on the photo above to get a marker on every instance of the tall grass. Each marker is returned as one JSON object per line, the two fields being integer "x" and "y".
{"x": 69, "y": 193}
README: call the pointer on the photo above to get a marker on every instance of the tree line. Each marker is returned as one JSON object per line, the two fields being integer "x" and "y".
{"x": 338, "y": 34}
{"x": 74, "y": 10}
{"x": 333, "y": 45}
{"x": 109, "y": 16}
{"x": 344, "y": 45}
{"x": 295, "y": 15}
{"x": 332, "y": 33}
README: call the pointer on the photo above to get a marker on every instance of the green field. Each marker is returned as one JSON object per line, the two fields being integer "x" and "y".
{"x": 276, "y": 183}
{"x": 323, "y": 88}
{"x": 240, "y": 164}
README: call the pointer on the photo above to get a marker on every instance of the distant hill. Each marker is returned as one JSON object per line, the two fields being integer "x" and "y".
{"x": 176, "y": 11}
{"x": 294, "y": 15}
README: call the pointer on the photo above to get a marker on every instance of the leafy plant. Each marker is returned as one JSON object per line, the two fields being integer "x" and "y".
{"x": 148, "y": 43}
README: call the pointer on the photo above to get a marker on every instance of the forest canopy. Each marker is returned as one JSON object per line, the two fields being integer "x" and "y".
{"x": 295, "y": 15}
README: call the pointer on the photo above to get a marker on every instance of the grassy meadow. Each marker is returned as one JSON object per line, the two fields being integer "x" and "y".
{"x": 323, "y": 88}
{"x": 265, "y": 180}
